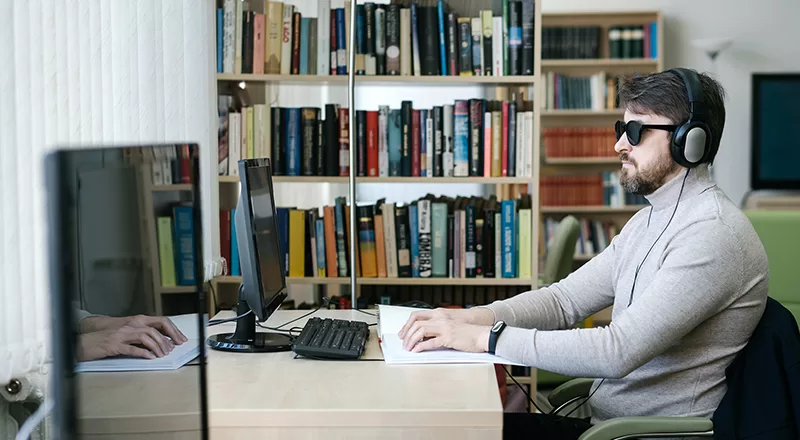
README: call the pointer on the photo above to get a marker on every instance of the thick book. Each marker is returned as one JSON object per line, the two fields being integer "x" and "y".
{"x": 424, "y": 238}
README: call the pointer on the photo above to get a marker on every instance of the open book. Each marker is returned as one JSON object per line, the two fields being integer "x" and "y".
{"x": 392, "y": 318}
{"x": 179, "y": 356}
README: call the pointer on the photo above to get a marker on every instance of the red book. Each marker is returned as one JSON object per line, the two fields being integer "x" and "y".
{"x": 504, "y": 142}
{"x": 185, "y": 164}
{"x": 372, "y": 143}
{"x": 344, "y": 142}
{"x": 259, "y": 42}
{"x": 296, "y": 19}
{"x": 416, "y": 146}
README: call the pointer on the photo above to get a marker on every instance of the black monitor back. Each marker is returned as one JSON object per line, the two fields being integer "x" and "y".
{"x": 125, "y": 240}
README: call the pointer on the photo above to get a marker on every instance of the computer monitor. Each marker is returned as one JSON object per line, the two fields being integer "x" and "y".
{"x": 775, "y": 151}
{"x": 125, "y": 260}
{"x": 263, "y": 287}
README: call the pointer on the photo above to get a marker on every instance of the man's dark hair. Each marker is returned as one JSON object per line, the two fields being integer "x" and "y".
{"x": 664, "y": 94}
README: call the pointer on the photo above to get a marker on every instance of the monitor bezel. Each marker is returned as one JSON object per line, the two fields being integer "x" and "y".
{"x": 756, "y": 181}
{"x": 268, "y": 301}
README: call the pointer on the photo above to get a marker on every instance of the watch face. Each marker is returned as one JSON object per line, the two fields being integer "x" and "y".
{"x": 497, "y": 326}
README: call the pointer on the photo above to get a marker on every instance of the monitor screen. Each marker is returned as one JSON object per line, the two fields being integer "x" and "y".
{"x": 265, "y": 230}
{"x": 775, "y": 149}
{"x": 126, "y": 283}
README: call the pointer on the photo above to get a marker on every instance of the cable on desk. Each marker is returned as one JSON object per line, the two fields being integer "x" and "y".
{"x": 523, "y": 390}
{"x": 325, "y": 302}
{"x": 366, "y": 313}
{"x": 222, "y": 321}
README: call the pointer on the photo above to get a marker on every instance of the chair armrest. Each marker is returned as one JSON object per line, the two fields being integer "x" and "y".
{"x": 570, "y": 391}
{"x": 634, "y": 427}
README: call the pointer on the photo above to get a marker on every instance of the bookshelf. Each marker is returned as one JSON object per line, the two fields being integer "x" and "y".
{"x": 624, "y": 57}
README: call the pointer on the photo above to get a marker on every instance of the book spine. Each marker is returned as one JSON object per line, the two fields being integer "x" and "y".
{"x": 380, "y": 39}
{"x": 294, "y": 138}
{"x": 324, "y": 36}
{"x": 413, "y": 235}
{"x": 447, "y": 130}
{"x": 515, "y": 38}
{"x": 425, "y": 245}
{"x": 297, "y": 24}
{"x": 442, "y": 40}
{"x": 461, "y": 134}
{"x": 372, "y": 143}
{"x": 438, "y": 139}
{"x": 286, "y": 40}
{"x": 416, "y": 132}
{"x": 395, "y": 143}
{"x": 309, "y": 141}
{"x": 344, "y": 142}
{"x": 393, "y": 39}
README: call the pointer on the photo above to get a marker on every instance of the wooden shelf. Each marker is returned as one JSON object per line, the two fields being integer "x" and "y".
{"x": 430, "y": 180}
{"x": 558, "y": 64}
{"x": 178, "y": 187}
{"x": 590, "y": 209}
{"x": 578, "y": 161}
{"x": 364, "y": 79}
{"x": 177, "y": 289}
{"x": 582, "y": 113}
{"x": 397, "y": 281}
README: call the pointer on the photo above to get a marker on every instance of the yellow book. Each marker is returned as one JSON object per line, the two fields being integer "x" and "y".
{"x": 250, "y": 134}
{"x": 272, "y": 57}
{"x": 297, "y": 243}
{"x": 166, "y": 252}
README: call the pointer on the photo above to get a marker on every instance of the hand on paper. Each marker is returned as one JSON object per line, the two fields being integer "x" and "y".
{"x": 476, "y": 315}
{"x": 143, "y": 341}
{"x": 429, "y": 334}
{"x": 160, "y": 323}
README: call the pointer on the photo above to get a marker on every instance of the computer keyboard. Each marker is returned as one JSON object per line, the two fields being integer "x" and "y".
{"x": 326, "y": 338}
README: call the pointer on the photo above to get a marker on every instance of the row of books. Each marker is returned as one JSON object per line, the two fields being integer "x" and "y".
{"x": 595, "y": 92}
{"x": 168, "y": 166}
{"x": 450, "y": 296}
{"x": 176, "y": 246}
{"x": 391, "y": 39}
{"x": 578, "y": 142}
{"x": 593, "y": 236}
{"x": 471, "y": 137}
{"x": 584, "y": 42}
{"x": 431, "y": 237}
{"x": 601, "y": 189}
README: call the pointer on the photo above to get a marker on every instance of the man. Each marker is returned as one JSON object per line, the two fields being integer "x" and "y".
{"x": 687, "y": 278}
{"x": 141, "y": 336}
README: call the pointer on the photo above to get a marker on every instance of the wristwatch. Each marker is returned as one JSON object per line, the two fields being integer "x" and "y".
{"x": 494, "y": 333}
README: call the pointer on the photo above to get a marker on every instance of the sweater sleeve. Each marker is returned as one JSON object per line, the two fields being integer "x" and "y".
{"x": 700, "y": 269}
{"x": 581, "y": 294}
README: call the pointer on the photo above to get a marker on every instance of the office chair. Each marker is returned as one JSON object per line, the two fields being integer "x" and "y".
{"x": 576, "y": 390}
{"x": 779, "y": 231}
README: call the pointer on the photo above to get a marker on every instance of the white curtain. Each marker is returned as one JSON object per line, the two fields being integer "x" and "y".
{"x": 90, "y": 72}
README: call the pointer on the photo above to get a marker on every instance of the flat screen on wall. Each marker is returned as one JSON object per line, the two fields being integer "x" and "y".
{"x": 775, "y": 145}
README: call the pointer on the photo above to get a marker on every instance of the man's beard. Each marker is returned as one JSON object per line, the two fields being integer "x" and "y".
{"x": 645, "y": 182}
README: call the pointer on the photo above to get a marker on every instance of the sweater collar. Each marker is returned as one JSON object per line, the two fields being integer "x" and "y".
{"x": 698, "y": 180}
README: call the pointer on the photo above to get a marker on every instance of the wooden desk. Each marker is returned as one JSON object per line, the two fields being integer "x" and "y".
{"x": 275, "y": 396}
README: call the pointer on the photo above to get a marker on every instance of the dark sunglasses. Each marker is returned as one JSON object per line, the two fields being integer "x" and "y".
{"x": 634, "y": 130}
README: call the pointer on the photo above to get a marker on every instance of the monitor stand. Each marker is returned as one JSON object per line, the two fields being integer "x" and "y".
{"x": 245, "y": 339}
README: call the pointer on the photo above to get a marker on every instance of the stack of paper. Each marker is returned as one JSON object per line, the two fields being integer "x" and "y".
{"x": 392, "y": 318}
{"x": 179, "y": 356}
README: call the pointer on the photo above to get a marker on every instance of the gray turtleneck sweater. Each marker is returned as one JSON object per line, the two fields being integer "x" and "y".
{"x": 697, "y": 298}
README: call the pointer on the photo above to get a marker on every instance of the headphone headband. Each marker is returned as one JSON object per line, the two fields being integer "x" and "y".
{"x": 694, "y": 91}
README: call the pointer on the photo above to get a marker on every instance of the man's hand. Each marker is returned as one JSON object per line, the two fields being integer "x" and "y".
{"x": 441, "y": 333}
{"x": 160, "y": 323}
{"x": 144, "y": 342}
{"x": 477, "y": 316}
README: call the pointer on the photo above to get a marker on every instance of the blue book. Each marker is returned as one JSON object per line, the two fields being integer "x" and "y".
{"x": 341, "y": 43}
{"x": 654, "y": 40}
{"x": 220, "y": 54}
{"x": 283, "y": 237}
{"x": 395, "y": 142}
{"x": 235, "y": 270}
{"x": 361, "y": 41}
{"x": 508, "y": 220}
{"x": 442, "y": 45}
{"x": 461, "y": 138}
{"x": 413, "y": 229}
{"x": 294, "y": 141}
{"x": 423, "y": 142}
{"x": 321, "y": 266}
{"x": 184, "y": 245}
{"x": 304, "y": 23}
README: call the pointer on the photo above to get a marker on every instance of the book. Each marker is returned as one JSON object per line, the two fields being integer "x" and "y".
{"x": 392, "y": 318}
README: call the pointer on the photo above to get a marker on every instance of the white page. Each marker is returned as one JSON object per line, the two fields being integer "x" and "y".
{"x": 392, "y": 318}
{"x": 179, "y": 356}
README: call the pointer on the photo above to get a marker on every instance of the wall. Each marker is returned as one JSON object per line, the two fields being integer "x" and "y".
{"x": 764, "y": 37}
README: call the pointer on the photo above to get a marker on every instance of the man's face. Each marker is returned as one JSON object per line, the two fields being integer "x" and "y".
{"x": 647, "y": 165}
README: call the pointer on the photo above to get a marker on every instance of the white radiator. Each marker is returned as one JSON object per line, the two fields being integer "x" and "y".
{"x": 88, "y": 72}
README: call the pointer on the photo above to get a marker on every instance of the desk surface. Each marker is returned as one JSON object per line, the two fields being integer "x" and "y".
{"x": 276, "y": 395}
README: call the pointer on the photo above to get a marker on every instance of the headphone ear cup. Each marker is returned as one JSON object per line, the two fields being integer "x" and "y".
{"x": 690, "y": 144}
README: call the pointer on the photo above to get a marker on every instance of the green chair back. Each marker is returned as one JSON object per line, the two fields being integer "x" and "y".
{"x": 779, "y": 231}
{"x": 561, "y": 253}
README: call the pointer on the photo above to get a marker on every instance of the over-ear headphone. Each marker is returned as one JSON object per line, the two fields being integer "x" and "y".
{"x": 691, "y": 141}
